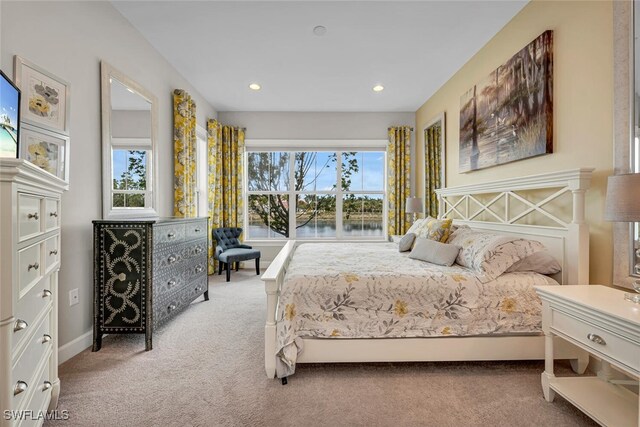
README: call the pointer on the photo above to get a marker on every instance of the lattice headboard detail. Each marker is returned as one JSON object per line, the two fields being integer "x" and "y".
{"x": 548, "y": 207}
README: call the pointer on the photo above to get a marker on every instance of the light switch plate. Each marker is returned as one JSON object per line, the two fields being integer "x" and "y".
{"x": 73, "y": 297}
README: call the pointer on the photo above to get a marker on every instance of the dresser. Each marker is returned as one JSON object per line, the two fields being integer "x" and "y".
{"x": 599, "y": 320}
{"x": 30, "y": 215}
{"x": 145, "y": 273}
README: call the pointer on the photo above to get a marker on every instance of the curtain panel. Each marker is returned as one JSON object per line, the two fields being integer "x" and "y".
{"x": 398, "y": 178}
{"x": 226, "y": 171}
{"x": 184, "y": 149}
{"x": 432, "y": 168}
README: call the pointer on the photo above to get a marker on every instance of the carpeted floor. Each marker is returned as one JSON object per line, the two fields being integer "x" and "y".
{"x": 206, "y": 369}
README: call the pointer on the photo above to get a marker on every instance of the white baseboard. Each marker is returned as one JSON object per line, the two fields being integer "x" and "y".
{"x": 74, "y": 347}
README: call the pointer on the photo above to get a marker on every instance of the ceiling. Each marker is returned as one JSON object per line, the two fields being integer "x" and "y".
{"x": 410, "y": 47}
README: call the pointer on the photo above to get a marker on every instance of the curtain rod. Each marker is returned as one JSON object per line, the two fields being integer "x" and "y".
{"x": 411, "y": 129}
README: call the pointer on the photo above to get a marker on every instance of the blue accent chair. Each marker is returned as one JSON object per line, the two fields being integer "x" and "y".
{"x": 230, "y": 250}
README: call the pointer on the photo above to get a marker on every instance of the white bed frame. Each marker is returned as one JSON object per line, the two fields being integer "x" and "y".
{"x": 567, "y": 240}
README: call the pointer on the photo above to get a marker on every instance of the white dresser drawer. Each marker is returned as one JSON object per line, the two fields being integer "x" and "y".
{"x": 29, "y": 267}
{"x": 39, "y": 399}
{"x": 596, "y": 338}
{"x": 51, "y": 214}
{"x": 38, "y": 348}
{"x": 30, "y": 306}
{"x": 29, "y": 216}
{"x": 51, "y": 253}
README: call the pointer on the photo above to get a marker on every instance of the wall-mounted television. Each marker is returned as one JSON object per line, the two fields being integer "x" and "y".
{"x": 9, "y": 117}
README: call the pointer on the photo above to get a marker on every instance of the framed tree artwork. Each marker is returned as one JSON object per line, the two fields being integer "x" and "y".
{"x": 508, "y": 116}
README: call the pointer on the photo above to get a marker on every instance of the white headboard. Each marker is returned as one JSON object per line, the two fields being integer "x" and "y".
{"x": 511, "y": 206}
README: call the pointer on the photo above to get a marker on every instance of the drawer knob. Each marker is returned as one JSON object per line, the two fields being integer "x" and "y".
{"x": 53, "y": 252}
{"x": 198, "y": 289}
{"x": 596, "y": 339}
{"x": 172, "y": 259}
{"x": 33, "y": 216}
{"x": 20, "y": 325}
{"x": 122, "y": 277}
{"x": 171, "y": 307}
{"x": 46, "y": 338}
{"x": 53, "y": 214}
{"x": 46, "y": 385}
{"x": 46, "y": 293}
{"x": 171, "y": 283}
{"x": 35, "y": 266}
{"x": 20, "y": 387}
{"x": 198, "y": 249}
{"x": 199, "y": 269}
{"x": 171, "y": 235}
{"x": 197, "y": 230}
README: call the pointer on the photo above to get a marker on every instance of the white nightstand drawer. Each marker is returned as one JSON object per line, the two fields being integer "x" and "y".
{"x": 51, "y": 252}
{"x": 29, "y": 216}
{"x": 51, "y": 214}
{"x": 37, "y": 348}
{"x": 596, "y": 338}
{"x": 30, "y": 267}
{"x": 40, "y": 396}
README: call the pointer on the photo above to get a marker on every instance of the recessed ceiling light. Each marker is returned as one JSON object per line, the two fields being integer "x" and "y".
{"x": 319, "y": 30}
{"x": 255, "y": 86}
{"x": 378, "y": 88}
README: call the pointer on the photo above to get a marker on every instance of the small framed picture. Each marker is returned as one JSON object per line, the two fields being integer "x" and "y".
{"x": 45, "y": 97}
{"x": 45, "y": 149}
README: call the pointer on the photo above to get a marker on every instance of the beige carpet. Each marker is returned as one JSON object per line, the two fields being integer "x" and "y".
{"x": 206, "y": 369}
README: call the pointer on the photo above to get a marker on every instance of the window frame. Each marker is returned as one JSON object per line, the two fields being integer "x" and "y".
{"x": 297, "y": 146}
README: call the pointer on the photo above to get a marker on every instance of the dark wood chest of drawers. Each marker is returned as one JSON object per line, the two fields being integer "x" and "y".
{"x": 146, "y": 272}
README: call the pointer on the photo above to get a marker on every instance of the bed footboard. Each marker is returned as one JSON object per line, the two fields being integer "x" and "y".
{"x": 273, "y": 278}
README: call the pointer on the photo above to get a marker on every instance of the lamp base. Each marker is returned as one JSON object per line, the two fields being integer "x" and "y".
{"x": 632, "y": 297}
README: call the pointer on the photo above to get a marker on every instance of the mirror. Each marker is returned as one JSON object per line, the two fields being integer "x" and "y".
{"x": 129, "y": 172}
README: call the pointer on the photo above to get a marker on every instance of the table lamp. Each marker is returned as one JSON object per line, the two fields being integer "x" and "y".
{"x": 623, "y": 205}
{"x": 414, "y": 206}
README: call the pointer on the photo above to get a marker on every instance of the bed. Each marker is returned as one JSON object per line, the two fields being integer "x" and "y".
{"x": 346, "y": 302}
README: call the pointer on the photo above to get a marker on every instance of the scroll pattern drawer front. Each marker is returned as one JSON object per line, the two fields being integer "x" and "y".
{"x": 51, "y": 214}
{"x": 29, "y": 216}
{"x": 29, "y": 267}
{"x": 167, "y": 281}
{"x": 168, "y": 234}
{"x": 51, "y": 253}
{"x": 29, "y": 308}
{"x": 167, "y": 257}
{"x": 598, "y": 339}
{"x": 195, "y": 248}
{"x": 195, "y": 267}
{"x": 197, "y": 230}
{"x": 37, "y": 348}
{"x": 40, "y": 394}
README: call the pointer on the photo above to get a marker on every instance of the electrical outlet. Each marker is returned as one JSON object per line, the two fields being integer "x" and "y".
{"x": 73, "y": 297}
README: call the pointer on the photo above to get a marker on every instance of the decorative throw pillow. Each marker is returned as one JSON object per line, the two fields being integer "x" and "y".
{"x": 416, "y": 225}
{"x": 540, "y": 262}
{"x": 488, "y": 254}
{"x": 434, "y": 252}
{"x": 435, "y": 229}
{"x": 406, "y": 242}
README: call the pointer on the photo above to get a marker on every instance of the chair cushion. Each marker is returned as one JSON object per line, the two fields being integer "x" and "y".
{"x": 238, "y": 254}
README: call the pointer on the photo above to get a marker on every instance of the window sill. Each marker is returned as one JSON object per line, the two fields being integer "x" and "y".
{"x": 282, "y": 242}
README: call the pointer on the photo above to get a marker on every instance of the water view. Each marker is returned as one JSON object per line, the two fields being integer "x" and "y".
{"x": 324, "y": 229}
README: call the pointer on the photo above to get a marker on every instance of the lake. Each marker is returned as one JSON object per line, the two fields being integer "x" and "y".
{"x": 324, "y": 229}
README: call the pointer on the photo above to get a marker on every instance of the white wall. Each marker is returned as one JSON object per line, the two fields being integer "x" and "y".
{"x": 301, "y": 126}
{"x": 69, "y": 39}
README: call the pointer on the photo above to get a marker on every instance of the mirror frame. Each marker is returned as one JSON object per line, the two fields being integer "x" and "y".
{"x": 107, "y": 72}
{"x": 624, "y": 129}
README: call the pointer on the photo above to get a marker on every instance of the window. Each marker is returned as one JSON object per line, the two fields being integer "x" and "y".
{"x": 129, "y": 178}
{"x": 315, "y": 194}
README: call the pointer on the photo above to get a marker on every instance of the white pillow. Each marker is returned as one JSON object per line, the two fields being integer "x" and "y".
{"x": 434, "y": 252}
{"x": 489, "y": 254}
{"x": 414, "y": 227}
{"x": 540, "y": 262}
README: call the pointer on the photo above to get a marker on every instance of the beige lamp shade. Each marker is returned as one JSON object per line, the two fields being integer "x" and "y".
{"x": 414, "y": 205}
{"x": 623, "y": 198}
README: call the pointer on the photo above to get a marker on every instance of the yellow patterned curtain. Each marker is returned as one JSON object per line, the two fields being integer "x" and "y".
{"x": 432, "y": 167}
{"x": 398, "y": 178}
{"x": 184, "y": 146}
{"x": 226, "y": 152}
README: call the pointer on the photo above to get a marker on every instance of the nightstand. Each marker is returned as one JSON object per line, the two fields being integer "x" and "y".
{"x": 599, "y": 320}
